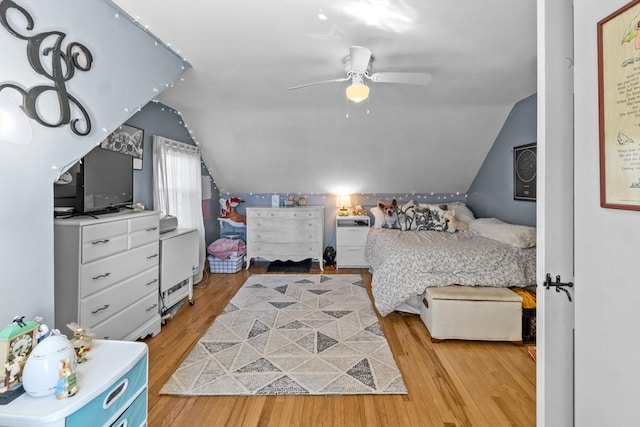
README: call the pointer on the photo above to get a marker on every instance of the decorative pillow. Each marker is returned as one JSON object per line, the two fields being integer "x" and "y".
{"x": 378, "y": 217}
{"x": 406, "y": 216}
{"x": 463, "y": 213}
{"x": 430, "y": 217}
{"x": 520, "y": 236}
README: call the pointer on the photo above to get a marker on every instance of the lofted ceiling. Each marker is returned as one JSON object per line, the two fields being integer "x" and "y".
{"x": 257, "y": 136}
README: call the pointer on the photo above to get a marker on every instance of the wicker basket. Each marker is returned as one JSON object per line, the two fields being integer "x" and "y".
{"x": 228, "y": 265}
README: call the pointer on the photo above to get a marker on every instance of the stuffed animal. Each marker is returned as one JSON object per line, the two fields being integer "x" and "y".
{"x": 230, "y": 212}
{"x": 453, "y": 223}
{"x": 390, "y": 212}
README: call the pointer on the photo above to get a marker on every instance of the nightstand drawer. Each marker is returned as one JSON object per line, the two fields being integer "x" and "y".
{"x": 350, "y": 256}
{"x": 352, "y": 236}
{"x": 108, "y": 404}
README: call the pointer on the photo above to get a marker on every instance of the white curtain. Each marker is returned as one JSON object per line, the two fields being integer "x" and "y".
{"x": 177, "y": 188}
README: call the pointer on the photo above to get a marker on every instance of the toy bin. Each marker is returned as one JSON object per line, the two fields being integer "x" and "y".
{"x": 231, "y": 264}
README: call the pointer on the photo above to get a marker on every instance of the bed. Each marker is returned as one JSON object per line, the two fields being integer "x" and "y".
{"x": 406, "y": 262}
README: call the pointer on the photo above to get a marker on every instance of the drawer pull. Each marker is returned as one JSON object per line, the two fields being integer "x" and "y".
{"x": 152, "y": 256}
{"x": 151, "y": 229}
{"x": 101, "y": 276}
{"x": 152, "y": 307}
{"x": 116, "y": 393}
{"x": 152, "y": 282}
{"x": 104, "y": 307}
{"x": 100, "y": 242}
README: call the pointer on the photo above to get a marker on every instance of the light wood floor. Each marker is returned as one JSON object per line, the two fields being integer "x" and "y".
{"x": 451, "y": 383}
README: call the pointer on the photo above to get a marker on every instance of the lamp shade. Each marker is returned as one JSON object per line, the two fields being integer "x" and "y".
{"x": 343, "y": 202}
{"x": 357, "y": 92}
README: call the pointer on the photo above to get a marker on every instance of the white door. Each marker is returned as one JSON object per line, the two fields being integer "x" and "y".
{"x": 555, "y": 213}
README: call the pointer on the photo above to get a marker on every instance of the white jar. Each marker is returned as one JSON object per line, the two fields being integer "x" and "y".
{"x": 42, "y": 370}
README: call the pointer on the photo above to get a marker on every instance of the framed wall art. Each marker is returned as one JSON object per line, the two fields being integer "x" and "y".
{"x": 619, "y": 107}
{"x": 524, "y": 172}
{"x": 128, "y": 140}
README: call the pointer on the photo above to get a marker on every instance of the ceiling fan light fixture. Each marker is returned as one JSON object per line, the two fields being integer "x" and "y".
{"x": 357, "y": 92}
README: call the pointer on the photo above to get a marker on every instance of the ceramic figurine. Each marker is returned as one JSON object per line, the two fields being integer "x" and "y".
{"x": 68, "y": 382}
{"x": 82, "y": 340}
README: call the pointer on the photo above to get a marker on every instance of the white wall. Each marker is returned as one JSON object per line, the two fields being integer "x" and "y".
{"x": 129, "y": 69}
{"x": 607, "y": 255}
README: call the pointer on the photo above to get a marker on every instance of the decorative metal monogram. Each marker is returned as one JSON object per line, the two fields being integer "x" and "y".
{"x": 63, "y": 64}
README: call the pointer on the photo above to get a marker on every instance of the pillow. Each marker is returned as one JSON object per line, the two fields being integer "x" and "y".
{"x": 463, "y": 213}
{"x": 406, "y": 216}
{"x": 520, "y": 236}
{"x": 378, "y": 217}
{"x": 430, "y": 217}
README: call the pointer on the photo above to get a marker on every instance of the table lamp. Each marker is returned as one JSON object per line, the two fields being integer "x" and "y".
{"x": 344, "y": 203}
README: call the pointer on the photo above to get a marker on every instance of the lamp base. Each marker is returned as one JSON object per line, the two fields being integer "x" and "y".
{"x": 343, "y": 212}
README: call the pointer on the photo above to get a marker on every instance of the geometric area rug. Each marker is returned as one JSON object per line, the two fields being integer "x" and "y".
{"x": 292, "y": 334}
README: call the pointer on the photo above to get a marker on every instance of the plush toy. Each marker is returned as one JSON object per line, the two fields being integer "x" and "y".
{"x": 453, "y": 223}
{"x": 230, "y": 212}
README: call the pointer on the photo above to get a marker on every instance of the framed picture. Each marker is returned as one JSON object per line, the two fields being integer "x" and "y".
{"x": 619, "y": 107}
{"x": 128, "y": 140}
{"x": 524, "y": 172}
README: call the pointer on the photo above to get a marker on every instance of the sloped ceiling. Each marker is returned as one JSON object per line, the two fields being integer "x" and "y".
{"x": 257, "y": 136}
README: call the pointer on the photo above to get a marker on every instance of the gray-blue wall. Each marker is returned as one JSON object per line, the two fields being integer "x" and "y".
{"x": 491, "y": 192}
{"x": 158, "y": 119}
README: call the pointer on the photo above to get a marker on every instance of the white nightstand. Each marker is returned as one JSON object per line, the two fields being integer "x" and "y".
{"x": 351, "y": 238}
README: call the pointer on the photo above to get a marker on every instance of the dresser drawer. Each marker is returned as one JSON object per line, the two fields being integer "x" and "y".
{"x": 103, "y": 247}
{"x": 142, "y": 237}
{"x": 143, "y": 230}
{"x": 284, "y": 236}
{"x": 104, "y": 304}
{"x": 287, "y": 251}
{"x": 352, "y": 236}
{"x": 112, "y": 401}
{"x": 136, "y": 414}
{"x": 100, "y": 274}
{"x": 285, "y": 213}
{"x": 123, "y": 323}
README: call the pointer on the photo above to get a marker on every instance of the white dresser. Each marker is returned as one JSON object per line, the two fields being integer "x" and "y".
{"x": 285, "y": 233}
{"x": 106, "y": 274}
{"x": 112, "y": 391}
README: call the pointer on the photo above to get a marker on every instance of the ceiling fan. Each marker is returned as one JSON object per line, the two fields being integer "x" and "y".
{"x": 358, "y": 65}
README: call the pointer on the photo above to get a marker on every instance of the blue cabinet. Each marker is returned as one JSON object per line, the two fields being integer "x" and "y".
{"x": 112, "y": 386}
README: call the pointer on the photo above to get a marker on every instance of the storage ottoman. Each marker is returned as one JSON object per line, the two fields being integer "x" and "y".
{"x": 472, "y": 313}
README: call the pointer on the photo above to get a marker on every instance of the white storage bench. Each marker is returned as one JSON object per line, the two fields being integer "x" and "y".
{"x": 472, "y": 313}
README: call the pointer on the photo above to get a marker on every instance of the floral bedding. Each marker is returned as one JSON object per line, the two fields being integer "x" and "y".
{"x": 405, "y": 263}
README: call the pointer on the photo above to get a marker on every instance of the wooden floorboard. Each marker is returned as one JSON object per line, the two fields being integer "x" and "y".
{"x": 450, "y": 383}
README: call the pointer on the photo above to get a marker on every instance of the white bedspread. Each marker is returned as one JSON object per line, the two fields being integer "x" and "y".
{"x": 405, "y": 263}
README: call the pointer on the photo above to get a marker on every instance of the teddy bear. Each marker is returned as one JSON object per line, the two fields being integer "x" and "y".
{"x": 453, "y": 223}
{"x": 230, "y": 212}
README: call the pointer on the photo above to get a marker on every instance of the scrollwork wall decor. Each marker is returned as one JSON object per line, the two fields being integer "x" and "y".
{"x": 64, "y": 62}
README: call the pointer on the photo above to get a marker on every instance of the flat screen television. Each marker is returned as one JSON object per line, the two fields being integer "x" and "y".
{"x": 104, "y": 182}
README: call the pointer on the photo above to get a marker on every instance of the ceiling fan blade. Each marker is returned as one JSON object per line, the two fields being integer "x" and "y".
{"x": 342, "y": 79}
{"x": 422, "y": 79}
{"x": 360, "y": 58}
